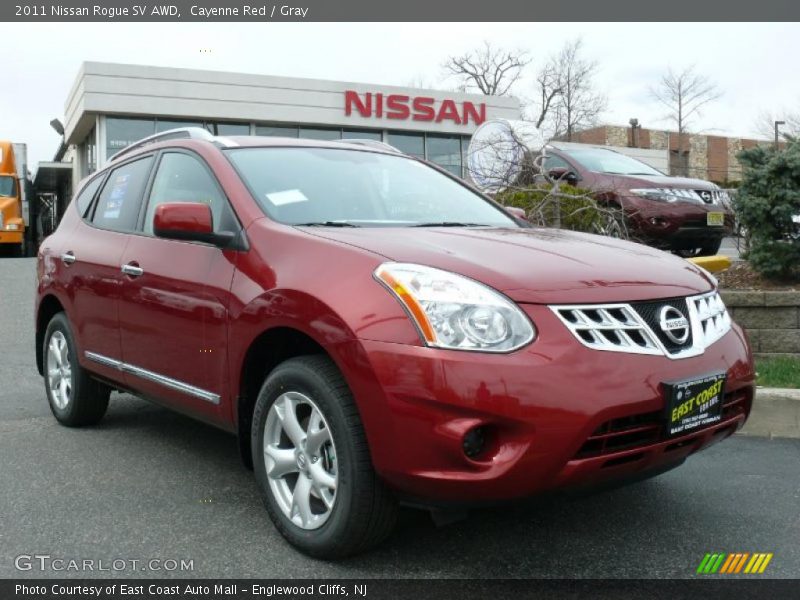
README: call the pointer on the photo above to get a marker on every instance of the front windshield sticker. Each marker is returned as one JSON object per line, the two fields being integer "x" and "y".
{"x": 286, "y": 197}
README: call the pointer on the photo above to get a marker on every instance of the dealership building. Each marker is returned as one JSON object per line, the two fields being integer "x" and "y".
{"x": 110, "y": 106}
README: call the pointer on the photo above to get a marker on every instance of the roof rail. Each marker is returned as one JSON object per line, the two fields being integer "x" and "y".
{"x": 372, "y": 144}
{"x": 181, "y": 133}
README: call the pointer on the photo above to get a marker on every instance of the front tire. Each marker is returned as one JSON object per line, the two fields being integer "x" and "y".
{"x": 313, "y": 465}
{"x": 75, "y": 398}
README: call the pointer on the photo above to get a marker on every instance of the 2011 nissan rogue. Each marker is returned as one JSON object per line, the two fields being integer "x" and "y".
{"x": 376, "y": 331}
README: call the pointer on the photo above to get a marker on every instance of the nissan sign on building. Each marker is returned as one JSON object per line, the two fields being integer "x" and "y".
{"x": 111, "y": 106}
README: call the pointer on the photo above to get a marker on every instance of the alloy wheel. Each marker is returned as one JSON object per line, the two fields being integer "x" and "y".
{"x": 300, "y": 460}
{"x": 59, "y": 370}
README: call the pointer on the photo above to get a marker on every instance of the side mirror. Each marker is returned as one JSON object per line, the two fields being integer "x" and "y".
{"x": 563, "y": 174}
{"x": 191, "y": 221}
{"x": 517, "y": 213}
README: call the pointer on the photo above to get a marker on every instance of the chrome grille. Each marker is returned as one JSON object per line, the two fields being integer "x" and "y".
{"x": 713, "y": 317}
{"x": 612, "y": 327}
{"x": 621, "y": 328}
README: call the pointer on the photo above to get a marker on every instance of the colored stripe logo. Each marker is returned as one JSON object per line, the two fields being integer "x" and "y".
{"x": 733, "y": 563}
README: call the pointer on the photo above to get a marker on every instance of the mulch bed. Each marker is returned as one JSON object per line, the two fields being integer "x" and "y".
{"x": 742, "y": 277}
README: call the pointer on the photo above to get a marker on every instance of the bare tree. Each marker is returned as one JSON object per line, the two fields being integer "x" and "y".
{"x": 576, "y": 103}
{"x": 548, "y": 88}
{"x": 683, "y": 94}
{"x": 491, "y": 71}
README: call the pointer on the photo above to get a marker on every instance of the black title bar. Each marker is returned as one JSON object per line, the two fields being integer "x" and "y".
{"x": 256, "y": 11}
{"x": 457, "y": 589}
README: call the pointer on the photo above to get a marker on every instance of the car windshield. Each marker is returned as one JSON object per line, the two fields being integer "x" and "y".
{"x": 340, "y": 187}
{"x": 609, "y": 161}
{"x": 7, "y": 187}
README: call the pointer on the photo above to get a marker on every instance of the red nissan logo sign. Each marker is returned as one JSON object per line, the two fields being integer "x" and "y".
{"x": 417, "y": 108}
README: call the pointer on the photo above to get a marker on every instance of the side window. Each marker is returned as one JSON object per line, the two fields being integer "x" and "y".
{"x": 119, "y": 202}
{"x": 184, "y": 178}
{"x": 84, "y": 198}
{"x": 556, "y": 162}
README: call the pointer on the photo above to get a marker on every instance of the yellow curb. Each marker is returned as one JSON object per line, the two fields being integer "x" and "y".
{"x": 714, "y": 264}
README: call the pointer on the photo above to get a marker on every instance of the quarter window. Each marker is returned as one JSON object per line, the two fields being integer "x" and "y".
{"x": 183, "y": 178}
{"x": 84, "y": 198}
{"x": 121, "y": 198}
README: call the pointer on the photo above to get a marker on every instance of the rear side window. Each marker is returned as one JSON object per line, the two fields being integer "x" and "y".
{"x": 119, "y": 202}
{"x": 86, "y": 195}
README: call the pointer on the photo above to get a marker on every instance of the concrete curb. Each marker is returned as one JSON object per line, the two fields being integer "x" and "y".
{"x": 776, "y": 413}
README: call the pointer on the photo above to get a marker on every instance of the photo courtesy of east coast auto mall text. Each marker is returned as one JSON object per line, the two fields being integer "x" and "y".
{"x": 429, "y": 300}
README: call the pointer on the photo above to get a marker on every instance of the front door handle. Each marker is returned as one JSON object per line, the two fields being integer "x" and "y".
{"x": 68, "y": 257}
{"x": 132, "y": 270}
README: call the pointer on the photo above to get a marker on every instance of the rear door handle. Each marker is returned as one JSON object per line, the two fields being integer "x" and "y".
{"x": 68, "y": 257}
{"x": 132, "y": 270}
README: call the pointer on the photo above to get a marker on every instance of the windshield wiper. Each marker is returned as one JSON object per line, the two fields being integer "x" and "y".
{"x": 450, "y": 224}
{"x": 326, "y": 224}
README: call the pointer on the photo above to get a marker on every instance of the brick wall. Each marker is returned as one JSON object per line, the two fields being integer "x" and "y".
{"x": 596, "y": 135}
{"x": 617, "y": 136}
{"x": 771, "y": 319}
{"x": 717, "y": 158}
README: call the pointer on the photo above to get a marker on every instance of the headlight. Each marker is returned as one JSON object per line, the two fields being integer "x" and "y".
{"x": 452, "y": 311}
{"x": 12, "y": 227}
{"x": 667, "y": 194}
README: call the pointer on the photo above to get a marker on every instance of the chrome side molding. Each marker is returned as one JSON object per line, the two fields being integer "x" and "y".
{"x": 174, "y": 384}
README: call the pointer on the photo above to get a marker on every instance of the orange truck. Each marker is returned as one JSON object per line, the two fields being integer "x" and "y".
{"x": 13, "y": 198}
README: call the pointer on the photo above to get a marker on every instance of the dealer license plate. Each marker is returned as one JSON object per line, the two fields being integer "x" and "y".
{"x": 694, "y": 403}
{"x": 715, "y": 219}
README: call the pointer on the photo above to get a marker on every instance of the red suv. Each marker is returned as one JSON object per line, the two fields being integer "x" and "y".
{"x": 687, "y": 216}
{"x": 375, "y": 331}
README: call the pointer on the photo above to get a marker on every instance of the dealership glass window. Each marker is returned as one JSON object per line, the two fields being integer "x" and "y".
{"x": 320, "y": 133}
{"x": 445, "y": 151}
{"x": 122, "y": 132}
{"x": 362, "y": 134}
{"x": 119, "y": 202}
{"x": 408, "y": 143}
{"x": 277, "y": 131}
{"x": 166, "y": 125}
{"x": 228, "y": 128}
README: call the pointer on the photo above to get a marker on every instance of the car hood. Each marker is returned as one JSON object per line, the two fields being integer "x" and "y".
{"x": 542, "y": 266}
{"x": 664, "y": 181}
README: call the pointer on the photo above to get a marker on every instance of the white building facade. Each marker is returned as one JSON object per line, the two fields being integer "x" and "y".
{"x": 112, "y": 105}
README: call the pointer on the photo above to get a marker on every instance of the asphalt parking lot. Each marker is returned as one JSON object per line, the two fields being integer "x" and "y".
{"x": 150, "y": 484}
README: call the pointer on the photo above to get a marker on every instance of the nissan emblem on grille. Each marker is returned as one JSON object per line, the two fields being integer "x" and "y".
{"x": 674, "y": 324}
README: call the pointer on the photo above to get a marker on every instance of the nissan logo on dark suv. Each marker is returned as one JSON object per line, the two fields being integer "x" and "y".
{"x": 674, "y": 324}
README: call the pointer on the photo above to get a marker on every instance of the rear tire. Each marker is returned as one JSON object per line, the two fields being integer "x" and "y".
{"x": 315, "y": 472}
{"x": 75, "y": 398}
{"x": 710, "y": 248}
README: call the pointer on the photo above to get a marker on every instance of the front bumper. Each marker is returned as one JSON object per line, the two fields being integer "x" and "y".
{"x": 11, "y": 237}
{"x": 545, "y": 407}
{"x": 678, "y": 225}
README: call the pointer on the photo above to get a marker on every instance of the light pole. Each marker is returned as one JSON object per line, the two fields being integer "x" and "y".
{"x": 777, "y": 125}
